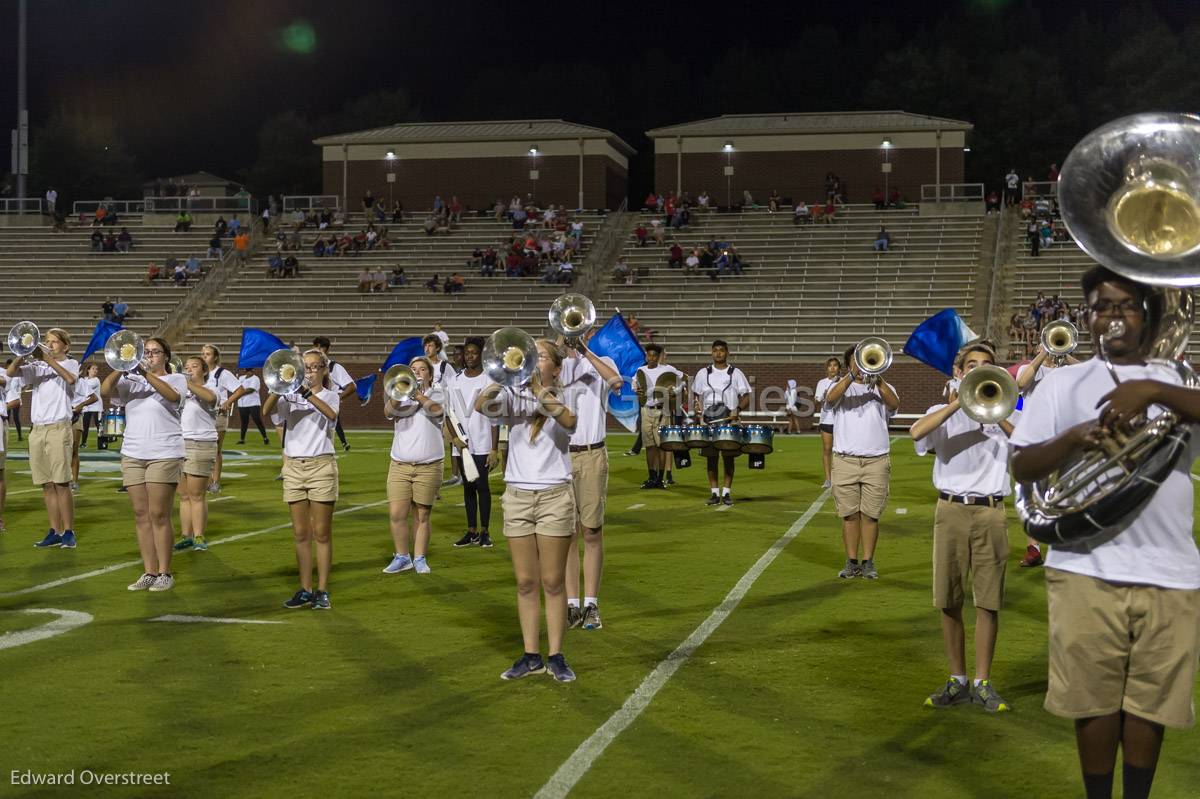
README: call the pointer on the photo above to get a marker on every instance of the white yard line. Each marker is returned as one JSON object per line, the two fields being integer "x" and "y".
{"x": 67, "y": 620}
{"x": 637, "y": 506}
{"x": 210, "y": 620}
{"x": 573, "y": 769}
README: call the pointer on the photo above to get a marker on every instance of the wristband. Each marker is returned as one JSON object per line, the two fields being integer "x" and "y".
{"x": 306, "y": 393}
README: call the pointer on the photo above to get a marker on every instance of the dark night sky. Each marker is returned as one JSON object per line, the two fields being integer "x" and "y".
{"x": 191, "y": 82}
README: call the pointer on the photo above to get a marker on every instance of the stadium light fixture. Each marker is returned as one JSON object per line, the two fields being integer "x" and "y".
{"x": 533, "y": 150}
{"x": 966, "y": 149}
{"x": 728, "y": 147}
{"x": 391, "y": 155}
{"x": 887, "y": 144}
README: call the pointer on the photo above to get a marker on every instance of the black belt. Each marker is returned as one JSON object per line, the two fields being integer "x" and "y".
{"x": 585, "y": 447}
{"x": 964, "y": 499}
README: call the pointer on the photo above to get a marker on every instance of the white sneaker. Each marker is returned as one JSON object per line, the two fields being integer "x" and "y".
{"x": 215, "y": 488}
{"x": 826, "y": 484}
{"x": 453, "y": 481}
{"x": 420, "y": 566}
{"x": 400, "y": 563}
{"x": 164, "y": 582}
{"x": 74, "y": 487}
{"x": 143, "y": 582}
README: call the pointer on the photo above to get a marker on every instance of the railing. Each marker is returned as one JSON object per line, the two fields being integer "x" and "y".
{"x": 120, "y": 206}
{"x": 1039, "y": 188}
{"x": 306, "y": 202}
{"x": 604, "y": 250}
{"x": 169, "y": 205}
{"x": 20, "y": 205}
{"x": 997, "y": 263}
{"x": 952, "y": 192}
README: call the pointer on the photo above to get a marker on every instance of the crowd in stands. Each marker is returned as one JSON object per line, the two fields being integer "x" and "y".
{"x": 1043, "y": 223}
{"x": 115, "y": 310}
{"x": 544, "y": 244}
{"x": 714, "y": 258}
{"x": 454, "y": 284}
{"x": 107, "y": 242}
{"x": 1025, "y": 327}
{"x": 335, "y": 245}
{"x": 174, "y": 270}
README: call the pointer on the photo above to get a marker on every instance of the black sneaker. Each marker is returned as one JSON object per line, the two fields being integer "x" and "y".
{"x": 651, "y": 484}
{"x": 266, "y": 441}
{"x": 574, "y": 617}
{"x": 485, "y": 540}
{"x": 727, "y": 499}
{"x": 468, "y": 540}
{"x": 558, "y": 668}
{"x": 670, "y": 480}
{"x": 301, "y": 599}
{"x": 320, "y": 600}
{"x": 346, "y": 447}
{"x": 524, "y": 667}
{"x": 713, "y": 500}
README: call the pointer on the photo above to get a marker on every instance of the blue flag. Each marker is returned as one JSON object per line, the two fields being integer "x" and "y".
{"x": 404, "y": 351}
{"x": 256, "y": 346}
{"x": 938, "y": 339}
{"x": 363, "y": 387}
{"x": 99, "y": 338}
{"x": 617, "y": 341}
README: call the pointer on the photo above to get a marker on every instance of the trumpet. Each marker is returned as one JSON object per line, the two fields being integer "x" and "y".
{"x": 510, "y": 356}
{"x": 571, "y": 316}
{"x": 873, "y": 357}
{"x": 988, "y": 394}
{"x": 1059, "y": 339}
{"x": 400, "y": 383}
{"x": 24, "y": 338}
{"x": 283, "y": 373}
{"x": 124, "y": 350}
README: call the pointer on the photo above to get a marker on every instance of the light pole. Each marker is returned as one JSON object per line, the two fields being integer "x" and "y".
{"x": 390, "y": 159}
{"x": 886, "y": 169}
{"x": 728, "y": 148}
{"x": 20, "y": 163}
{"x": 533, "y": 170}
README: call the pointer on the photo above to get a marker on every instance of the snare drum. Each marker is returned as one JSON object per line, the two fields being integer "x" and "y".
{"x": 670, "y": 438}
{"x": 697, "y": 436}
{"x": 759, "y": 440}
{"x": 114, "y": 423}
{"x": 729, "y": 438}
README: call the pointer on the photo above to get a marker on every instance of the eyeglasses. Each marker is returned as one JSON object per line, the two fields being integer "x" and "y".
{"x": 309, "y": 369}
{"x": 148, "y": 353}
{"x": 1104, "y": 307}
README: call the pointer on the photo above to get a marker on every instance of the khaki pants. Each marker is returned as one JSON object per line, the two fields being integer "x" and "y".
{"x": 414, "y": 482}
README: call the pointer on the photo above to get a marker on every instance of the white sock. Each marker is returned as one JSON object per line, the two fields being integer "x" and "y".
{"x": 977, "y": 681}
{"x": 724, "y": 492}
{"x": 573, "y": 603}
{"x": 591, "y": 600}
{"x": 715, "y": 493}
{"x": 961, "y": 679}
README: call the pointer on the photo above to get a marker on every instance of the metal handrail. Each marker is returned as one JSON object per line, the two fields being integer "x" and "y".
{"x": 1031, "y": 189}
{"x": 120, "y": 206}
{"x": 951, "y": 192}
{"x": 311, "y": 202}
{"x": 208, "y": 204}
{"x": 20, "y": 205}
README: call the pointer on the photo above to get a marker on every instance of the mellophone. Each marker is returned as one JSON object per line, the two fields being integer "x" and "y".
{"x": 722, "y": 438}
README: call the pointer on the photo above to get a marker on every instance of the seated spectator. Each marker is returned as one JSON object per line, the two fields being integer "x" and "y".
{"x": 220, "y": 226}
{"x": 98, "y": 219}
{"x": 878, "y": 198}
{"x": 121, "y": 311}
{"x": 192, "y": 267}
{"x": 692, "y": 264}
{"x": 550, "y": 272}
{"x": 183, "y": 222}
{"x": 681, "y": 218}
{"x": 1026, "y": 208}
{"x": 660, "y": 235}
{"x": 125, "y": 241}
{"x": 830, "y": 212}
{"x": 882, "y": 239}
{"x": 234, "y": 227}
{"x": 675, "y": 256}
{"x": 433, "y": 283}
{"x": 364, "y": 280}
{"x": 397, "y": 278}
{"x": 518, "y": 219}
{"x": 773, "y": 201}
{"x": 702, "y": 200}
{"x": 372, "y": 238}
{"x": 275, "y": 265}
{"x": 801, "y": 214}
{"x": 640, "y": 233}
{"x": 295, "y": 240}
{"x": 359, "y": 242}
{"x": 457, "y": 283}
{"x": 566, "y": 272}
{"x": 318, "y": 248}
{"x": 345, "y": 244}
{"x": 180, "y": 274}
{"x": 512, "y": 265}
{"x": 397, "y": 212}
{"x": 993, "y": 202}
{"x": 455, "y": 209}
{"x": 651, "y": 203}
{"x": 97, "y": 241}
{"x": 430, "y": 225}
{"x": 894, "y": 198}
{"x": 443, "y": 225}
{"x": 1041, "y": 207}
{"x": 379, "y": 280}
{"x": 747, "y": 199}
{"x": 110, "y": 243}
{"x": 499, "y": 209}
{"x": 291, "y": 267}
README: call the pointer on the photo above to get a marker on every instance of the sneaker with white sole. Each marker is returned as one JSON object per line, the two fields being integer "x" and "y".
{"x": 52, "y": 540}
{"x": 591, "y": 618}
{"x": 525, "y": 666}
{"x": 453, "y": 481}
{"x": 164, "y": 582}
{"x": 574, "y": 616}
{"x": 851, "y": 569}
{"x": 558, "y": 668}
{"x": 951, "y": 694}
{"x": 420, "y": 566}
{"x": 215, "y": 488}
{"x": 485, "y": 540}
{"x": 867, "y": 570}
{"x": 984, "y": 694}
{"x": 400, "y": 563}
{"x": 186, "y": 542}
{"x": 320, "y": 601}
{"x": 142, "y": 583}
{"x": 826, "y": 484}
{"x": 68, "y": 539}
{"x": 201, "y": 544}
{"x": 469, "y": 539}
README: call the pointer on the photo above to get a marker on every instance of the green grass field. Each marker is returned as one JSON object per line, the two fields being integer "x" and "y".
{"x": 811, "y": 687}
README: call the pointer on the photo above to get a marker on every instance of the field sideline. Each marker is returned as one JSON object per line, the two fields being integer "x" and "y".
{"x": 811, "y": 687}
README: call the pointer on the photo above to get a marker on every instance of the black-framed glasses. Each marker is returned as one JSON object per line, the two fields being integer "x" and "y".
{"x": 1124, "y": 308}
{"x": 153, "y": 352}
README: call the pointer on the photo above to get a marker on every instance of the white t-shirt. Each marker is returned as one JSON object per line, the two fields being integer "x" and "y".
{"x": 51, "y": 401}
{"x": 720, "y": 386}
{"x": 585, "y": 392}
{"x": 969, "y": 458}
{"x": 444, "y": 336}
{"x": 443, "y": 372}
{"x": 252, "y": 384}
{"x": 12, "y": 391}
{"x": 1038, "y": 377}
{"x": 339, "y": 377}
{"x": 823, "y": 386}
{"x": 227, "y": 382}
{"x": 651, "y": 375}
{"x": 418, "y": 433}
{"x": 199, "y": 419}
{"x": 533, "y": 465}
{"x": 1155, "y": 546}
{"x": 309, "y": 433}
{"x": 153, "y": 427}
{"x": 84, "y": 388}
{"x": 461, "y": 392}
{"x": 860, "y": 422}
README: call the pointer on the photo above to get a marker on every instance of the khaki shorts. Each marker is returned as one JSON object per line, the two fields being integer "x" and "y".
{"x": 50, "y": 453}
{"x": 77, "y": 423}
{"x": 200, "y": 458}
{"x": 589, "y": 476}
{"x": 222, "y": 421}
{"x": 414, "y": 482}
{"x": 651, "y": 419}
{"x": 860, "y": 484}
{"x": 969, "y": 539}
{"x": 136, "y": 472}
{"x": 550, "y": 511}
{"x": 312, "y": 479}
{"x": 1124, "y": 647}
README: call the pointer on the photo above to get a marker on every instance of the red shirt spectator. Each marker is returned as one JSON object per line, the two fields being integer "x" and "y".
{"x": 640, "y": 232}
{"x": 894, "y": 197}
{"x": 652, "y": 201}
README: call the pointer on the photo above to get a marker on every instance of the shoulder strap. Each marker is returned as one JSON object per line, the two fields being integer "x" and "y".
{"x": 220, "y": 371}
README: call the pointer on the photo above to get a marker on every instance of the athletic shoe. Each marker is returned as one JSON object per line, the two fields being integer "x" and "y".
{"x": 420, "y": 566}
{"x": 591, "y": 618}
{"x": 142, "y": 583}
{"x": 849, "y": 570}
{"x": 267, "y": 442}
{"x": 558, "y": 668}
{"x": 727, "y": 499}
{"x": 951, "y": 694}
{"x": 713, "y": 500}
{"x": 320, "y": 601}
{"x": 279, "y": 477}
{"x": 52, "y": 539}
{"x": 652, "y": 484}
{"x": 574, "y": 617}
{"x": 1033, "y": 557}
{"x": 984, "y": 694}
{"x": 184, "y": 543}
{"x": 670, "y": 480}
{"x": 122, "y": 490}
{"x": 242, "y": 443}
{"x": 468, "y": 540}
{"x": 867, "y": 570}
{"x": 68, "y": 540}
{"x": 485, "y": 540}
{"x": 346, "y": 447}
{"x": 215, "y": 488}
{"x": 164, "y": 582}
{"x": 826, "y": 484}
{"x": 525, "y": 666}
{"x": 201, "y": 544}
{"x": 400, "y": 563}
{"x": 628, "y": 452}
{"x": 300, "y": 599}
{"x": 453, "y": 481}
{"x": 74, "y": 487}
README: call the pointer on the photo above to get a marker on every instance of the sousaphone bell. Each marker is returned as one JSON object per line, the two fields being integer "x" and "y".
{"x": 124, "y": 350}
{"x": 283, "y": 373}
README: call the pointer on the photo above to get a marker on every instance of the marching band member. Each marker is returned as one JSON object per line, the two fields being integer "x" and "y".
{"x": 720, "y": 391}
{"x": 790, "y": 398}
{"x": 202, "y": 405}
{"x": 539, "y": 505}
{"x": 152, "y": 454}
{"x": 415, "y": 470}
{"x": 587, "y": 379}
{"x": 87, "y": 394}
{"x": 443, "y": 374}
{"x": 231, "y": 390}
{"x": 249, "y": 404}
{"x": 833, "y": 368}
{"x": 482, "y": 443}
{"x": 51, "y": 380}
{"x": 1124, "y": 609}
{"x": 310, "y": 475}
{"x": 861, "y": 467}
{"x": 3, "y": 444}
{"x": 970, "y": 533}
{"x": 652, "y": 416}
{"x": 342, "y": 382}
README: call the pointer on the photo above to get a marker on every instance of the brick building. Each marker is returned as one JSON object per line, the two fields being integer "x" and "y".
{"x": 791, "y": 153}
{"x": 563, "y": 163}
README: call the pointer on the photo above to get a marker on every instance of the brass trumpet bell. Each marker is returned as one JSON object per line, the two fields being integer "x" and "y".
{"x": 283, "y": 373}
{"x": 400, "y": 383}
{"x": 123, "y": 351}
{"x": 988, "y": 394}
{"x": 873, "y": 356}
{"x": 572, "y": 315}
{"x": 175, "y": 365}
{"x": 1060, "y": 339}
{"x": 23, "y": 339}
{"x": 510, "y": 356}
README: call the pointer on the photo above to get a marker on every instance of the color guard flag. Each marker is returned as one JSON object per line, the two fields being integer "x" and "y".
{"x": 404, "y": 351}
{"x": 938, "y": 339}
{"x": 100, "y": 336}
{"x": 256, "y": 346}
{"x": 617, "y": 342}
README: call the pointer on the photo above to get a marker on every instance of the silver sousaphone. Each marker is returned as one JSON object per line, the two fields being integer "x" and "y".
{"x": 124, "y": 351}
{"x": 283, "y": 373}
{"x": 1130, "y": 196}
